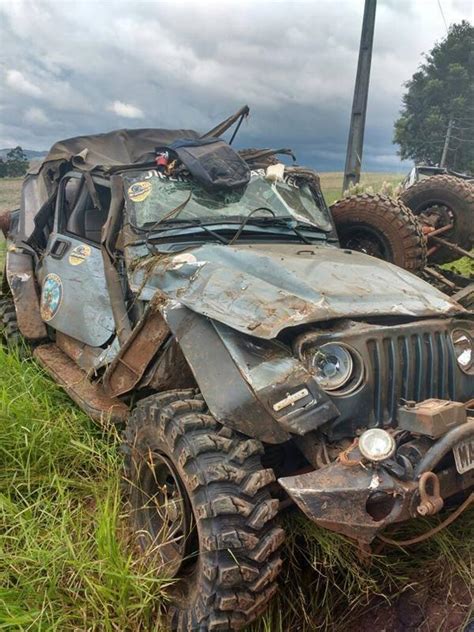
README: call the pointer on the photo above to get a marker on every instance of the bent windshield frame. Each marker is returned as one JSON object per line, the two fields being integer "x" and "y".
{"x": 150, "y": 198}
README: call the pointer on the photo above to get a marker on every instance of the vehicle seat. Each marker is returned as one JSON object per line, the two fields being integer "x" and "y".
{"x": 75, "y": 224}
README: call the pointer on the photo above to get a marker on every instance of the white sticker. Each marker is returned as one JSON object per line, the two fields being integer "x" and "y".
{"x": 289, "y": 400}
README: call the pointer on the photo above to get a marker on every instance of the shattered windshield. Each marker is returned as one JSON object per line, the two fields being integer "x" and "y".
{"x": 151, "y": 197}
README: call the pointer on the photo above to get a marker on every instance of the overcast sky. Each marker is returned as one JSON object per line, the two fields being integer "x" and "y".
{"x": 72, "y": 68}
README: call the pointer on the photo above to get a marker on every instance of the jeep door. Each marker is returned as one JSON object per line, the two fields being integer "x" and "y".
{"x": 74, "y": 295}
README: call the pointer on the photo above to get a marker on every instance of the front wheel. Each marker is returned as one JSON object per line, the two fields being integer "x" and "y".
{"x": 201, "y": 512}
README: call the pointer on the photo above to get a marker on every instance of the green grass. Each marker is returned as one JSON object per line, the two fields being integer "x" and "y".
{"x": 64, "y": 562}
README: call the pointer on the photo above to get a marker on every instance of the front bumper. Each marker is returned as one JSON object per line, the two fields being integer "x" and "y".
{"x": 360, "y": 499}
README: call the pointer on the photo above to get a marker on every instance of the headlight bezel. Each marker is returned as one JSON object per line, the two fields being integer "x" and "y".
{"x": 355, "y": 376}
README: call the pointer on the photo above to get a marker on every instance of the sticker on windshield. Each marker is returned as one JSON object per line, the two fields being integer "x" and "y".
{"x": 79, "y": 254}
{"x": 51, "y": 296}
{"x": 139, "y": 191}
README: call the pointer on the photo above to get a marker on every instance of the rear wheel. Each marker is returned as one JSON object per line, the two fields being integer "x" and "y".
{"x": 382, "y": 227}
{"x": 440, "y": 201}
{"x": 202, "y": 512}
{"x": 9, "y": 332}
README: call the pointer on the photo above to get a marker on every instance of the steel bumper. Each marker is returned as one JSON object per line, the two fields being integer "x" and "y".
{"x": 359, "y": 499}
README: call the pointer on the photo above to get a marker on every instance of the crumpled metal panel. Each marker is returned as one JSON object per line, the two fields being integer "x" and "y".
{"x": 260, "y": 290}
{"x": 22, "y": 284}
{"x": 335, "y": 497}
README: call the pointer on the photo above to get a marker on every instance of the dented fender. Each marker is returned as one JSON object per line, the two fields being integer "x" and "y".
{"x": 21, "y": 280}
{"x": 254, "y": 386}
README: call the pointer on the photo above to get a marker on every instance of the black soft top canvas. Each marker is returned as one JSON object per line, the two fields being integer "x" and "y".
{"x": 119, "y": 147}
{"x": 86, "y": 153}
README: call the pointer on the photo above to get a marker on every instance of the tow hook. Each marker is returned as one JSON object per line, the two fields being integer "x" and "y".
{"x": 430, "y": 503}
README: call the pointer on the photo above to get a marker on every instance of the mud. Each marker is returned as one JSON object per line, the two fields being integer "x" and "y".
{"x": 425, "y": 608}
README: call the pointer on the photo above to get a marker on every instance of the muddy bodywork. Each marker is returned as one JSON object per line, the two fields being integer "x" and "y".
{"x": 360, "y": 499}
{"x": 240, "y": 320}
{"x": 244, "y": 380}
{"x": 262, "y": 290}
{"x": 208, "y": 293}
{"x": 20, "y": 275}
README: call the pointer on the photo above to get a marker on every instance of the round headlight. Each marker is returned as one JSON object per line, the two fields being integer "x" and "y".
{"x": 376, "y": 444}
{"x": 462, "y": 342}
{"x": 333, "y": 366}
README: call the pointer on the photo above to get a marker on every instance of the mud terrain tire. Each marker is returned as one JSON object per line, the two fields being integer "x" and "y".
{"x": 9, "y": 332}
{"x": 453, "y": 195}
{"x": 219, "y": 472}
{"x": 382, "y": 227}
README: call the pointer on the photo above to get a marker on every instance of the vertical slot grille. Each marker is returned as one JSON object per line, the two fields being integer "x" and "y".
{"x": 415, "y": 366}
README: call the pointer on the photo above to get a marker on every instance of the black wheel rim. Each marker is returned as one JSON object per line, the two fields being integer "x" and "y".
{"x": 166, "y": 527}
{"x": 367, "y": 240}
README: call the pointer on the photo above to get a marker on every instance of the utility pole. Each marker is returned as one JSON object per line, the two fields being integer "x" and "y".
{"x": 447, "y": 140}
{"x": 359, "y": 104}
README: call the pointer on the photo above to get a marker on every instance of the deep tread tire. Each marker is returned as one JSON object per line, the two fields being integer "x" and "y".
{"x": 9, "y": 332}
{"x": 458, "y": 196}
{"x": 388, "y": 220}
{"x": 227, "y": 488}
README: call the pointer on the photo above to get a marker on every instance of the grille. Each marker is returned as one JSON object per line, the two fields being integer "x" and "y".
{"x": 415, "y": 366}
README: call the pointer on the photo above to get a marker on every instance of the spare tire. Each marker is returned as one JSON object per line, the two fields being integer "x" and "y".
{"x": 442, "y": 200}
{"x": 382, "y": 227}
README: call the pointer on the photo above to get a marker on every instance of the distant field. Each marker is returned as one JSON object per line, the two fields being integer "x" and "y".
{"x": 331, "y": 182}
{"x": 10, "y": 190}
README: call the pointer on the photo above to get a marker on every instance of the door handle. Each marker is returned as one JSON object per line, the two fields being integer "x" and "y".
{"x": 59, "y": 248}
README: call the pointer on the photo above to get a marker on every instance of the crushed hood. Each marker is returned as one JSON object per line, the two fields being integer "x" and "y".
{"x": 260, "y": 290}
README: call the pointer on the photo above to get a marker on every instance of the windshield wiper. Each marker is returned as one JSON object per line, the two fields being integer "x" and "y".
{"x": 286, "y": 222}
{"x": 184, "y": 223}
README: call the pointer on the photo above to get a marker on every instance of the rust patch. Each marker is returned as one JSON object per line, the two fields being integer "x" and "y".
{"x": 129, "y": 366}
{"x": 88, "y": 395}
{"x": 22, "y": 284}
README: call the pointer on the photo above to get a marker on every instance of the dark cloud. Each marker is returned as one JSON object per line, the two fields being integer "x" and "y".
{"x": 75, "y": 68}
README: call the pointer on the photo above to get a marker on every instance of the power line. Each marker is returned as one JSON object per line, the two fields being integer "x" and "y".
{"x": 442, "y": 15}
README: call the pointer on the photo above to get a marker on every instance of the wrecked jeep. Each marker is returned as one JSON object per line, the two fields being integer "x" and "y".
{"x": 200, "y": 296}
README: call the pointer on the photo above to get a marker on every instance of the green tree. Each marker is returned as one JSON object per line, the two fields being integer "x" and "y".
{"x": 442, "y": 90}
{"x": 3, "y": 168}
{"x": 16, "y": 163}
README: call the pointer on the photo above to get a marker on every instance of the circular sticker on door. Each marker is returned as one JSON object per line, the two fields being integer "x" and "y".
{"x": 139, "y": 191}
{"x": 79, "y": 254}
{"x": 51, "y": 296}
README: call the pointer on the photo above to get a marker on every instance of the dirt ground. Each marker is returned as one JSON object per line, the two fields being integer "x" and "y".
{"x": 440, "y": 608}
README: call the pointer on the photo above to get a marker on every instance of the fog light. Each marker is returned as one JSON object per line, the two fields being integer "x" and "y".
{"x": 376, "y": 444}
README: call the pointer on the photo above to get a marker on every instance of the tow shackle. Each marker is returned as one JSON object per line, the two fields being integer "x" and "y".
{"x": 430, "y": 502}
